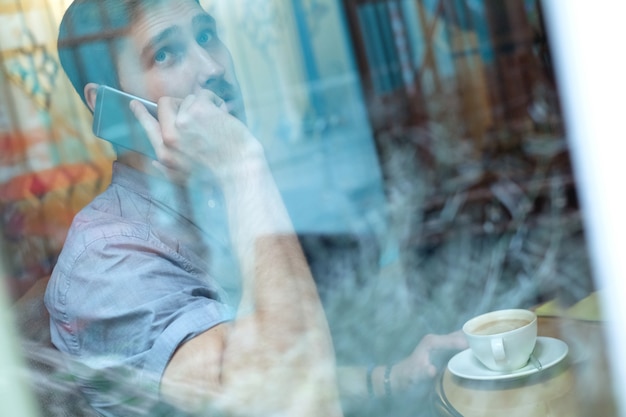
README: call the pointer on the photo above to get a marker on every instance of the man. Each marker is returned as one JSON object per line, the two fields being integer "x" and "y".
{"x": 144, "y": 287}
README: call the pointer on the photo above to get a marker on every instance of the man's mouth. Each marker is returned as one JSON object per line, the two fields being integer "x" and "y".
{"x": 231, "y": 98}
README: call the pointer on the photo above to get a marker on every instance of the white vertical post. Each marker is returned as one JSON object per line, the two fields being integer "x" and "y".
{"x": 587, "y": 42}
{"x": 15, "y": 396}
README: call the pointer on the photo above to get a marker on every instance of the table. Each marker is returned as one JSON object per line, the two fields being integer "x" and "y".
{"x": 580, "y": 385}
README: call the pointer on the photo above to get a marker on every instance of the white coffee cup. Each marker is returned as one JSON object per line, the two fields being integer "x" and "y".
{"x": 502, "y": 340}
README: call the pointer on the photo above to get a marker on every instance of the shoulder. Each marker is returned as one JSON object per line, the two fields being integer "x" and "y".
{"x": 92, "y": 228}
{"x": 115, "y": 212}
{"x": 97, "y": 242}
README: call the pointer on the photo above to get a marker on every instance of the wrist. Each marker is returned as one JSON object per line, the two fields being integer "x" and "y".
{"x": 369, "y": 382}
{"x": 382, "y": 381}
{"x": 230, "y": 159}
{"x": 250, "y": 163}
{"x": 387, "y": 380}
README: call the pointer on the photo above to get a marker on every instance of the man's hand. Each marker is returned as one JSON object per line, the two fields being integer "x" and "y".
{"x": 197, "y": 133}
{"x": 419, "y": 365}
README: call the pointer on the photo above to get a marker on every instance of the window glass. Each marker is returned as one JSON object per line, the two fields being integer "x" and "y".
{"x": 422, "y": 155}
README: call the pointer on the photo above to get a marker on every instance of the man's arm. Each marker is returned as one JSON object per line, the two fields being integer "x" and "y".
{"x": 403, "y": 375}
{"x": 277, "y": 356}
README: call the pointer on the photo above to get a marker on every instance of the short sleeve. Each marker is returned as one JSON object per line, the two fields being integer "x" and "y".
{"x": 127, "y": 301}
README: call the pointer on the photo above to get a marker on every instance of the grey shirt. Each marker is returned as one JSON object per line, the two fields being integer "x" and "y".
{"x": 146, "y": 266}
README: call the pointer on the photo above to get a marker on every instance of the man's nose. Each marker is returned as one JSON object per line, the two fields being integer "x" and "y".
{"x": 208, "y": 68}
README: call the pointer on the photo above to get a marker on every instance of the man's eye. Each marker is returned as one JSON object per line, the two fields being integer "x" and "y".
{"x": 161, "y": 56}
{"x": 204, "y": 37}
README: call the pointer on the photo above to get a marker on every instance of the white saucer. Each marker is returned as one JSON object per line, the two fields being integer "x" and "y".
{"x": 548, "y": 351}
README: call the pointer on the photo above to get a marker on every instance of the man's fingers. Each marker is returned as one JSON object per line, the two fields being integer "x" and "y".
{"x": 169, "y": 108}
{"x": 187, "y": 103}
{"x": 454, "y": 340}
{"x": 210, "y": 95}
{"x": 149, "y": 124}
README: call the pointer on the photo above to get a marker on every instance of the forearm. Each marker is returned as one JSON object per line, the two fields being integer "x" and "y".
{"x": 280, "y": 311}
{"x": 276, "y": 276}
{"x": 353, "y": 382}
{"x": 385, "y": 379}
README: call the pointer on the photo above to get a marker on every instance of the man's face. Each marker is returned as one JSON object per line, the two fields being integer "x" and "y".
{"x": 173, "y": 50}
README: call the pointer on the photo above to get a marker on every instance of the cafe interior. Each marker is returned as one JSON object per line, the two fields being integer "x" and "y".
{"x": 429, "y": 155}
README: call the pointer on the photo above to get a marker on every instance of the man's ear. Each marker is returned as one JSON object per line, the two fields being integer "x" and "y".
{"x": 91, "y": 91}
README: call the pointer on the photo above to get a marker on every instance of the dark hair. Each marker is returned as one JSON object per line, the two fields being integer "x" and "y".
{"x": 89, "y": 39}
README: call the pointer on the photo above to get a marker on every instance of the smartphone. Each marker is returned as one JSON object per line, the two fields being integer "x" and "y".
{"x": 114, "y": 122}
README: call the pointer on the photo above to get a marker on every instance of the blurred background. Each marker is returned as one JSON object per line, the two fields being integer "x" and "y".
{"x": 419, "y": 145}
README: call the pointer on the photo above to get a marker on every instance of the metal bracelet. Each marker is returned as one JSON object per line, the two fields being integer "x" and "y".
{"x": 388, "y": 380}
{"x": 368, "y": 378}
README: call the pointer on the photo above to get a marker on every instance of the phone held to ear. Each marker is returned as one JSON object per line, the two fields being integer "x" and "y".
{"x": 114, "y": 122}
